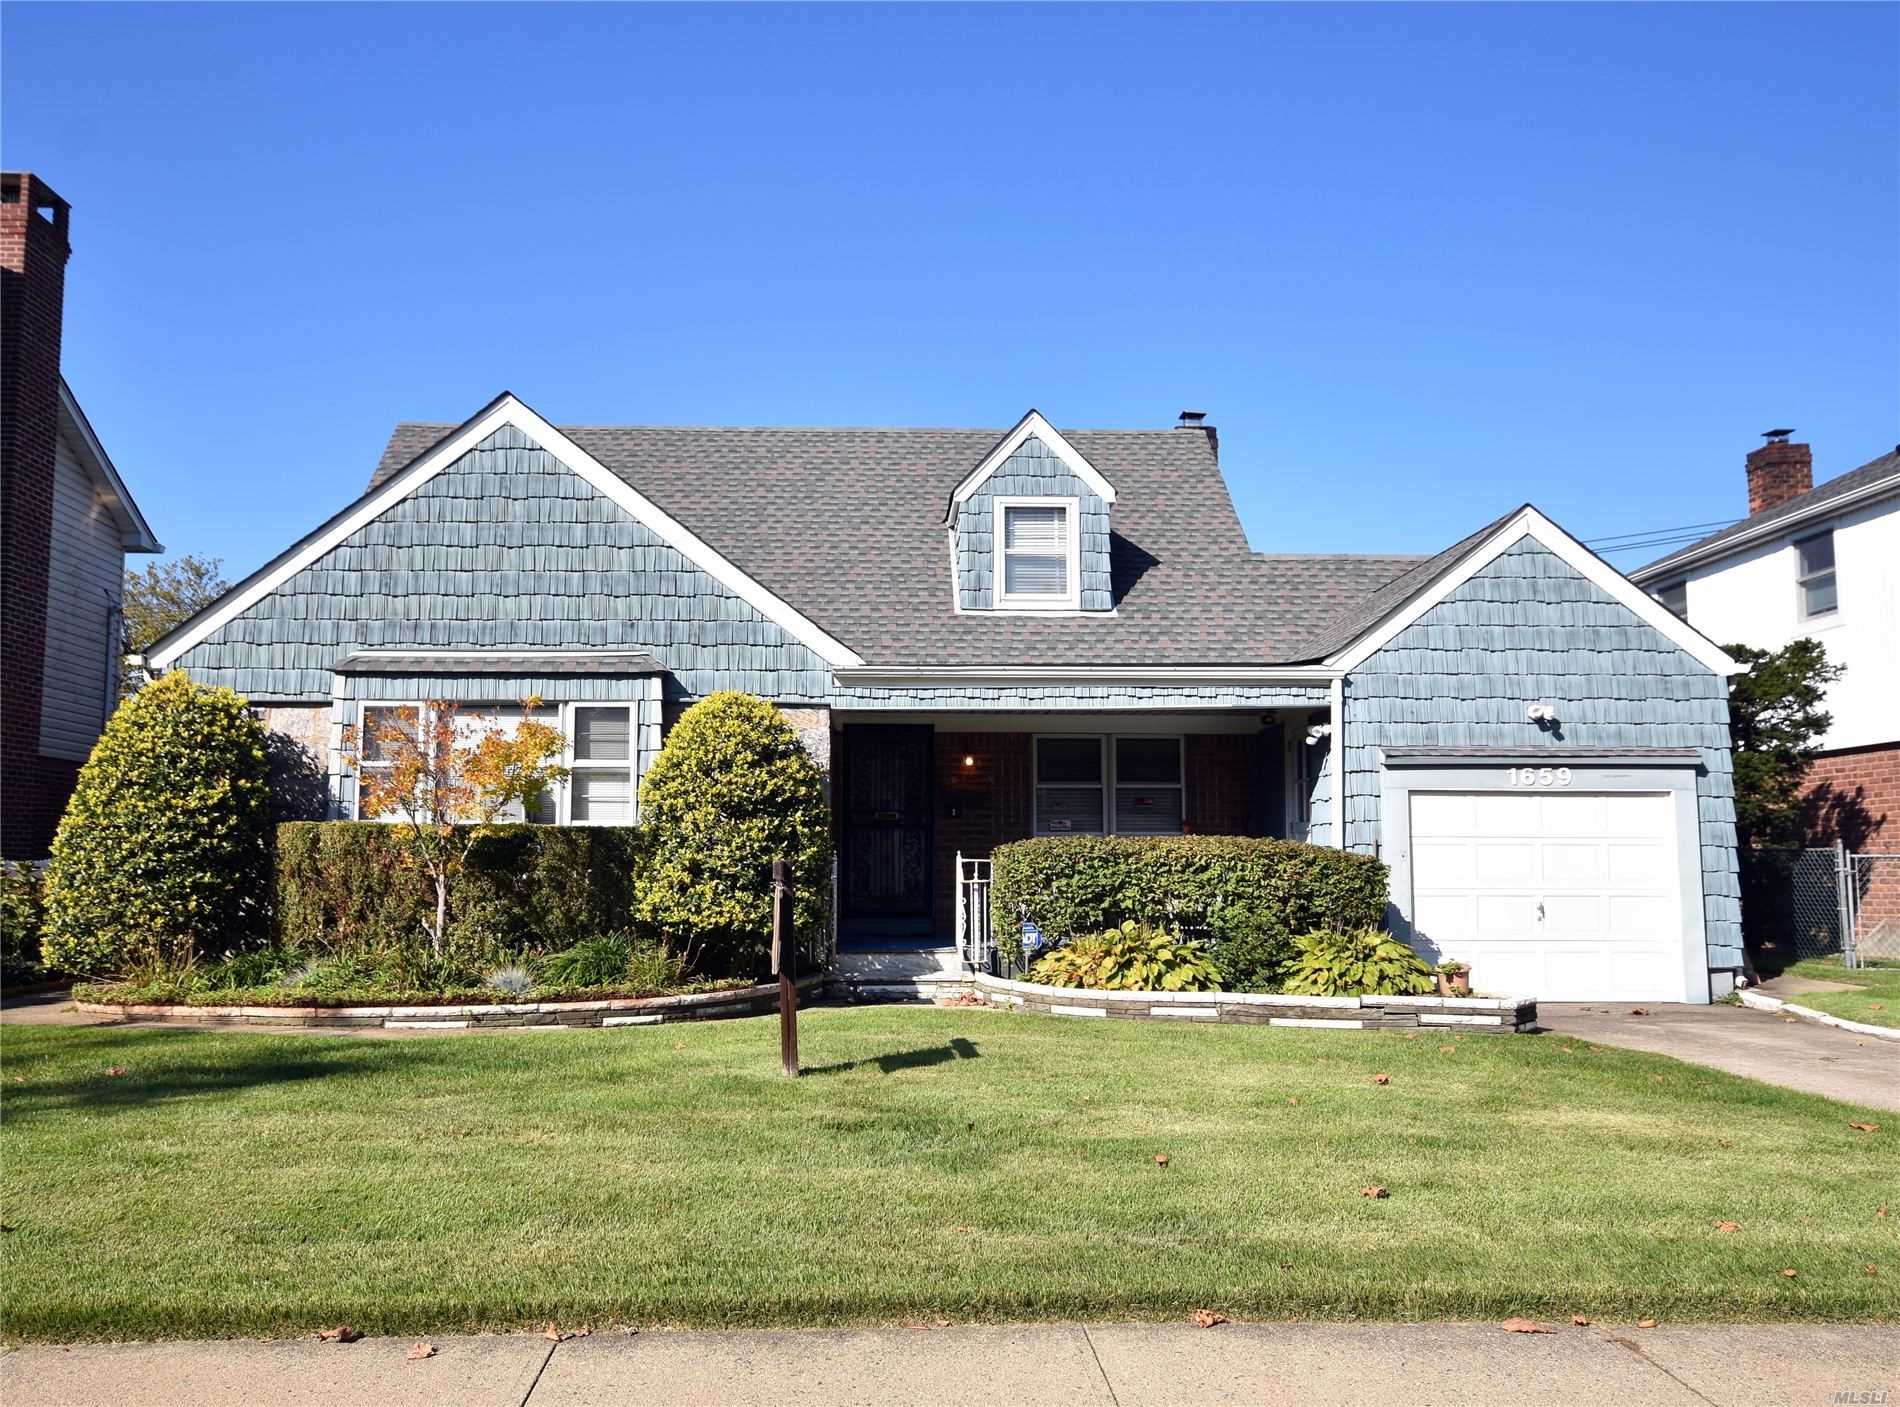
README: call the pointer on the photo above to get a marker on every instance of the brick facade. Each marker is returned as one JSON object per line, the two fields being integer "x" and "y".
{"x": 1854, "y": 796}
{"x": 990, "y": 802}
{"x": 33, "y": 254}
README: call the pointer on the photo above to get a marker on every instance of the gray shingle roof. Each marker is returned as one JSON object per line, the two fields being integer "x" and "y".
{"x": 1348, "y": 625}
{"x": 1814, "y": 503}
{"x": 847, "y": 525}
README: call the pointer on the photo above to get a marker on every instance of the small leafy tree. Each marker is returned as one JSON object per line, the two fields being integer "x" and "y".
{"x": 164, "y": 851}
{"x": 1775, "y": 718}
{"x": 732, "y": 790}
{"x": 163, "y": 595}
{"x": 447, "y": 785}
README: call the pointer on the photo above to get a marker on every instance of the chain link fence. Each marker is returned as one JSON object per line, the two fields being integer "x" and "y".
{"x": 1820, "y": 903}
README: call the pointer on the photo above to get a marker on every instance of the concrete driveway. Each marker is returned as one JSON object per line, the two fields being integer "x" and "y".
{"x": 1757, "y": 1044}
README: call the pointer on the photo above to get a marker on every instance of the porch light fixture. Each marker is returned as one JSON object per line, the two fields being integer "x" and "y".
{"x": 969, "y": 760}
{"x": 1317, "y": 732}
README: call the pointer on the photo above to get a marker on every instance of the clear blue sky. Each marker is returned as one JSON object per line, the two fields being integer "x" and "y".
{"x": 1419, "y": 263}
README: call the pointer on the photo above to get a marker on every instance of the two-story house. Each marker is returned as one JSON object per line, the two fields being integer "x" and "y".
{"x": 66, "y": 523}
{"x": 1824, "y": 562}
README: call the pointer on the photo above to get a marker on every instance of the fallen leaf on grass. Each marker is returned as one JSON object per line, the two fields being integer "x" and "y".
{"x": 1873, "y": 1270}
{"x": 1382, "y": 1079}
{"x": 1645, "y": 1323}
{"x": 961, "y": 1230}
{"x": 1866, "y": 1128}
{"x": 342, "y": 1333}
{"x": 419, "y": 1351}
{"x": 1293, "y": 1100}
{"x": 1446, "y": 1049}
{"x": 1526, "y": 1326}
{"x": 1578, "y": 1320}
{"x": 115, "y": 1070}
{"x": 1788, "y": 1274}
{"x": 1728, "y": 1226}
{"x": 553, "y": 1333}
{"x": 1161, "y": 1160}
{"x": 1374, "y": 1192}
{"x": 1207, "y": 1318}
{"x": 1724, "y": 1143}
{"x": 1880, "y": 1211}
{"x": 1659, "y": 1079}
{"x": 943, "y": 1323}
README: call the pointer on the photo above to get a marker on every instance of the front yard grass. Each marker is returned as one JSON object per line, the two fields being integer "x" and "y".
{"x": 956, "y": 1164}
{"x": 1877, "y": 1002}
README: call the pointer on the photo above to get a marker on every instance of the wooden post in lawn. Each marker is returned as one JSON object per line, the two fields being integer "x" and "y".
{"x": 784, "y": 946}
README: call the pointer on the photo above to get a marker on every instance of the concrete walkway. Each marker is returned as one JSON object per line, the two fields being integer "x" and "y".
{"x": 1119, "y": 1365}
{"x": 1855, "y": 1069}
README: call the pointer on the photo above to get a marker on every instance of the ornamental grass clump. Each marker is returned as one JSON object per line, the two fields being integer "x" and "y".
{"x": 732, "y": 790}
{"x": 163, "y": 854}
{"x": 1356, "y": 962}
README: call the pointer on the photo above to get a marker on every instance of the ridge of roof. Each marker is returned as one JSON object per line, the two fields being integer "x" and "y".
{"x": 1817, "y": 502}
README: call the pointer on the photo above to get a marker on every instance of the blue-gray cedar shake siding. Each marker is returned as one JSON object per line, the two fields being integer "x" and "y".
{"x": 1033, "y": 471}
{"x": 506, "y": 548}
{"x": 1528, "y": 629}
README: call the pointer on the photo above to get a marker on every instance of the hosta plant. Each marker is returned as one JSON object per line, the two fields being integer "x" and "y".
{"x": 1356, "y": 962}
{"x": 1133, "y": 957}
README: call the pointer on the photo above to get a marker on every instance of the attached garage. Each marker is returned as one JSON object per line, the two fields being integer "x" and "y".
{"x": 1565, "y": 878}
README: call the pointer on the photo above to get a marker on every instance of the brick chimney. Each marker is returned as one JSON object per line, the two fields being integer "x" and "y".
{"x": 33, "y": 252}
{"x": 1777, "y": 472}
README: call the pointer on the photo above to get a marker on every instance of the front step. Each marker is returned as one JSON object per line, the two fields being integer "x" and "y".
{"x": 906, "y": 974}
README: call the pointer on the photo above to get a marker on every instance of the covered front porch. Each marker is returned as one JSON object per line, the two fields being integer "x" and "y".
{"x": 916, "y": 796}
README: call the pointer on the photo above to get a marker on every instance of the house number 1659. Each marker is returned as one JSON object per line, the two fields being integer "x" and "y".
{"x": 1537, "y": 776}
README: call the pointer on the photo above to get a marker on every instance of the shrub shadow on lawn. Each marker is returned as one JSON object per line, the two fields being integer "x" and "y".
{"x": 160, "y": 1069}
{"x": 956, "y": 1049}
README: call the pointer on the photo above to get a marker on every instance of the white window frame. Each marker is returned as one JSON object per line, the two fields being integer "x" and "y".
{"x": 1110, "y": 782}
{"x": 1663, "y": 593}
{"x": 1804, "y": 580}
{"x": 1069, "y": 600}
{"x": 564, "y": 720}
{"x": 574, "y": 764}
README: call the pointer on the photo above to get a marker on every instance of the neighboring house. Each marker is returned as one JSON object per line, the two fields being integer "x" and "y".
{"x": 1821, "y": 562}
{"x": 1042, "y": 632}
{"x": 66, "y": 523}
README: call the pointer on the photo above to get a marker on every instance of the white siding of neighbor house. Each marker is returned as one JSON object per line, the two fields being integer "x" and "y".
{"x": 85, "y": 580}
{"x": 1752, "y": 599}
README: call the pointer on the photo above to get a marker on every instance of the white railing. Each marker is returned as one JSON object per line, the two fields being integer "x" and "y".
{"x": 976, "y": 943}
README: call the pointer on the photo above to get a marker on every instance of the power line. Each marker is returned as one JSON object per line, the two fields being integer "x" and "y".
{"x": 1658, "y": 537}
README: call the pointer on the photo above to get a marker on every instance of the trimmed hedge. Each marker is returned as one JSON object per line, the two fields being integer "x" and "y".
{"x": 1247, "y": 895}
{"x": 347, "y": 888}
{"x": 163, "y": 852}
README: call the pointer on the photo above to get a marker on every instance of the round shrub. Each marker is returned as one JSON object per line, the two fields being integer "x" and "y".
{"x": 163, "y": 854}
{"x": 732, "y": 790}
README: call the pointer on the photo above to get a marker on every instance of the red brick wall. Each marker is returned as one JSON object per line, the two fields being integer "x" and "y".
{"x": 33, "y": 252}
{"x": 1854, "y": 796}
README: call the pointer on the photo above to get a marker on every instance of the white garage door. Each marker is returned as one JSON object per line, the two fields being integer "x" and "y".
{"x": 1568, "y": 896}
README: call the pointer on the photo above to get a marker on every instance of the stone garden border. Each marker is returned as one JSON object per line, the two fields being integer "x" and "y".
{"x": 1246, "y": 1008}
{"x": 1259, "y": 1009}
{"x": 608, "y": 1011}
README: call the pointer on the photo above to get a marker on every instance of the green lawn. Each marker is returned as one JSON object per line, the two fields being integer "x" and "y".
{"x": 1877, "y": 1002}
{"x": 955, "y": 1163}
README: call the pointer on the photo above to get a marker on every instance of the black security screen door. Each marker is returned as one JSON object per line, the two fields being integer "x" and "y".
{"x": 887, "y": 812}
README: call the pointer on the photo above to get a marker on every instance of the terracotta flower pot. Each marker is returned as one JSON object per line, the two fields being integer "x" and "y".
{"x": 1454, "y": 984}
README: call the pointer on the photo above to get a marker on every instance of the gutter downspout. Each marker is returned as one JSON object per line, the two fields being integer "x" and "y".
{"x": 1335, "y": 720}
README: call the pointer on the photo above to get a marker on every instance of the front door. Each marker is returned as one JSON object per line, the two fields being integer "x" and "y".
{"x": 887, "y": 813}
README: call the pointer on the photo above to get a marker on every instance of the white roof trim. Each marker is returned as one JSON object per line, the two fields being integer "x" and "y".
{"x": 508, "y": 410}
{"x": 910, "y": 676}
{"x": 136, "y": 534}
{"x": 1792, "y": 525}
{"x": 1033, "y": 424}
{"x": 1529, "y": 522}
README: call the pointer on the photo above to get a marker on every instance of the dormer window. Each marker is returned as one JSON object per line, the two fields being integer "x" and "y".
{"x": 1039, "y": 564}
